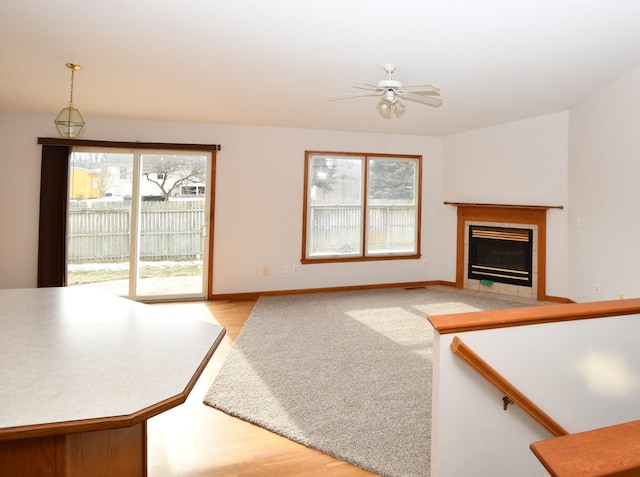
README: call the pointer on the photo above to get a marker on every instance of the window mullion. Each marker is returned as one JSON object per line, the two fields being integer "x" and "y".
{"x": 365, "y": 205}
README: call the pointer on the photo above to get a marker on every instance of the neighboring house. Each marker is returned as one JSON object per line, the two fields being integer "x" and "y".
{"x": 112, "y": 177}
{"x": 85, "y": 183}
{"x": 343, "y": 186}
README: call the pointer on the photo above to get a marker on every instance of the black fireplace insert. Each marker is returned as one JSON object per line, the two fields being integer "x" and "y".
{"x": 501, "y": 254}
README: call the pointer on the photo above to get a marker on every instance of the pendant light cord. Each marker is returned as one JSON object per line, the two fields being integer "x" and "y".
{"x": 73, "y": 72}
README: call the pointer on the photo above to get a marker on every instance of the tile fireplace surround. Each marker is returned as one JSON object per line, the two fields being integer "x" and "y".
{"x": 523, "y": 216}
{"x": 497, "y": 287}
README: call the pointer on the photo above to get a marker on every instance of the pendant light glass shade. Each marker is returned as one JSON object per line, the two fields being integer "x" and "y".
{"x": 70, "y": 122}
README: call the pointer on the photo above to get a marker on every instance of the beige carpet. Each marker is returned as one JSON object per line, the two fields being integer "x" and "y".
{"x": 348, "y": 373}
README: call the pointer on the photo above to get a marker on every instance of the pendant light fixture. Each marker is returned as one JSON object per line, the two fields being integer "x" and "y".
{"x": 69, "y": 122}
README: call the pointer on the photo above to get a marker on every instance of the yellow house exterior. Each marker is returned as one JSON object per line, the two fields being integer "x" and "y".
{"x": 85, "y": 184}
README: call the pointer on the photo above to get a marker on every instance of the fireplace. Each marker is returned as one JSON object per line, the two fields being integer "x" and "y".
{"x": 500, "y": 254}
{"x": 531, "y": 217}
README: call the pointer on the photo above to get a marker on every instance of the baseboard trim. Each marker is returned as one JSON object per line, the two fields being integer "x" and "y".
{"x": 298, "y": 291}
{"x": 558, "y": 299}
{"x": 256, "y": 295}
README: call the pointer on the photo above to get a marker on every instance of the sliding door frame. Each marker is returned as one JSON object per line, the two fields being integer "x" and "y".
{"x": 58, "y": 231}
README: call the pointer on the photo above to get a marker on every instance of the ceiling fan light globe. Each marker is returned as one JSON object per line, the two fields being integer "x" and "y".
{"x": 398, "y": 107}
{"x": 384, "y": 106}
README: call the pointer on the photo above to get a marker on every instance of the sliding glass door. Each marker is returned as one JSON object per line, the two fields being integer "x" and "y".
{"x": 138, "y": 222}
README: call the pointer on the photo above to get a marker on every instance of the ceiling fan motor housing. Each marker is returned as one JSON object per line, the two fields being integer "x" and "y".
{"x": 389, "y": 84}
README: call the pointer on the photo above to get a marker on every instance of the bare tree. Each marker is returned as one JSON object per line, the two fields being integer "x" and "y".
{"x": 169, "y": 173}
{"x": 90, "y": 157}
{"x": 107, "y": 180}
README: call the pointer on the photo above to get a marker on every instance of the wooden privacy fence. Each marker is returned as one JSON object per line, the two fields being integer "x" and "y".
{"x": 172, "y": 230}
{"x": 337, "y": 229}
{"x": 169, "y": 230}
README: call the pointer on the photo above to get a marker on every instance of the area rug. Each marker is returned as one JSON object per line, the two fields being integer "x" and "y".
{"x": 347, "y": 373}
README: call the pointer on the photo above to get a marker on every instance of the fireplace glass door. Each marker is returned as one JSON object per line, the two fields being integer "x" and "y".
{"x": 501, "y": 254}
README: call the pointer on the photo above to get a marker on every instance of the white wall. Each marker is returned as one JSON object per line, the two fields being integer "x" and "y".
{"x": 604, "y": 212}
{"x": 585, "y": 159}
{"x": 471, "y": 434}
{"x": 522, "y": 163}
{"x": 583, "y": 374}
{"x": 259, "y": 188}
{"x": 19, "y": 201}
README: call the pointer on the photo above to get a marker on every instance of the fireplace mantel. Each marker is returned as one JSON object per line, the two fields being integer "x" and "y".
{"x": 506, "y": 206}
{"x": 504, "y": 213}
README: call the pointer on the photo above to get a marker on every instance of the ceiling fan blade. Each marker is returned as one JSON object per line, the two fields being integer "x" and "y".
{"x": 363, "y": 85}
{"x": 352, "y": 95}
{"x": 420, "y": 93}
{"x": 422, "y": 89}
{"x": 435, "y": 102}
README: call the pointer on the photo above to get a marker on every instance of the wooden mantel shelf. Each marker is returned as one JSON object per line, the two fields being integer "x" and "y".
{"x": 509, "y": 206}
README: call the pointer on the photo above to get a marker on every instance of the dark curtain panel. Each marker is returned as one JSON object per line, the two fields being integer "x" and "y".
{"x": 52, "y": 243}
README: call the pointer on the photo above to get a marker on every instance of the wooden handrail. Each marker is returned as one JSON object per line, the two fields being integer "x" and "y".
{"x": 608, "y": 451}
{"x": 491, "y": 319}
{"x": 510, "y": 391}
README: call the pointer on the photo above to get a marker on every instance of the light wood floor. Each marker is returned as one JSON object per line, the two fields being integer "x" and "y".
{"x": 196, "y": 440}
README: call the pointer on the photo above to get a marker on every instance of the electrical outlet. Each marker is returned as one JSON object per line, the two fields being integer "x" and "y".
{"x": 285, "y": 269}
{"x": 295, "y": 269}
{"x": 424, "y": 262}
{"x": 597, "y": 288}
{"x": 265, "y": 271}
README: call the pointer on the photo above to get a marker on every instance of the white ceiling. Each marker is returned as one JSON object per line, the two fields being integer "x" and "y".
{"x": 275, "y": 63}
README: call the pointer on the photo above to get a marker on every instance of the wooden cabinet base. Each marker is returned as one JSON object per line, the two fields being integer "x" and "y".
{"x": 104, "y": 453}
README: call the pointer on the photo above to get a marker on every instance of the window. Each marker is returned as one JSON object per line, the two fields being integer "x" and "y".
{"x": 361, "y": 207}
{"x": 191, "y": 190}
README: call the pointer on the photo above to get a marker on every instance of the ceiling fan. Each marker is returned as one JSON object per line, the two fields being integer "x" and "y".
{"x": 391, "y": 90}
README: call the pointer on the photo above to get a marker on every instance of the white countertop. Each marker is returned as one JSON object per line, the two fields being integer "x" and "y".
{"x": 73, "y": 354}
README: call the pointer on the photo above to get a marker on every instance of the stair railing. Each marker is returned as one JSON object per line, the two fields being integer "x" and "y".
{"x": 512, "y": 394}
